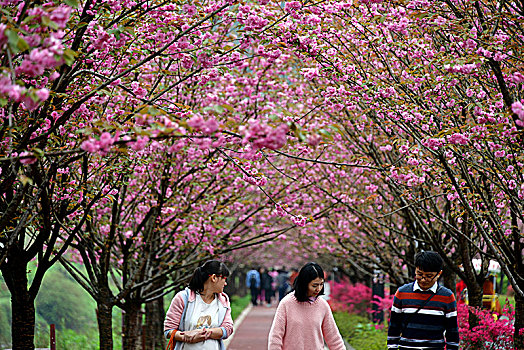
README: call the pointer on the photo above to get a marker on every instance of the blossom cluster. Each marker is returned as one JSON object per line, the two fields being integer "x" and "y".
{"x": 261, "y": 135}
{"x": 41, "y": 39}
{"x": 101, "y": 145}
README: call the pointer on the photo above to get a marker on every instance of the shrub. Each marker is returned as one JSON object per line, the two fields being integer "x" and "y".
{"x": 493, "y": 329}
{"x": 352, "y": 298}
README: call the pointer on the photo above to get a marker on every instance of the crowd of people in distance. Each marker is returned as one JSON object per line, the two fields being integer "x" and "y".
{"x": 265, "y": 284}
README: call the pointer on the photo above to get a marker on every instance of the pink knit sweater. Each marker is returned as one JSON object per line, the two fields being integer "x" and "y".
{"x": 304, "y": 325}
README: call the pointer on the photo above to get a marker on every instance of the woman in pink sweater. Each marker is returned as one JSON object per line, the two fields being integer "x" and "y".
{"x": 304, "y": 320}
{"x": 199, "y": 317}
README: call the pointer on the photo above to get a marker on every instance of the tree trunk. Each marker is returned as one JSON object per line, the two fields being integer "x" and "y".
{"x": 132, "y": 325}
{"x": 104, "y": 316}
{"x": 450, "y": 279}
{"x": 154, "y": 330}
{"x": 14, "y": 272}
{"x": 23, "y": 310}
{"x": 475, "y": 293}
{"x": 519, "y": 322}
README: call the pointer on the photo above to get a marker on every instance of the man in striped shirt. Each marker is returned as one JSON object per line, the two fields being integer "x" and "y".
{"x": 424, "y": 314}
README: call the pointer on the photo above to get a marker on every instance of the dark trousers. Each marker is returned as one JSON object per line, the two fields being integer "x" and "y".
{"x": 267, "y": 295}
{"x": 254, "y": 295}
{"x": 282, "y": 291}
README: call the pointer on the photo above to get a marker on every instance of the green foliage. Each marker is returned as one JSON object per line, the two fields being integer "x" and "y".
{"x": 74, "y": 311}
{"x": 238, "y": 304}
{"x": 346, "y": 323}
{"x": 41, "y": 333}
{"x": 359, "y": 332}
{"x": 369, "y": 337}
{"x": 504, "y": 299}
{"x": 71, "y": 340}
{"x": 5, "y": 319}
{"x": 61, "y": 301}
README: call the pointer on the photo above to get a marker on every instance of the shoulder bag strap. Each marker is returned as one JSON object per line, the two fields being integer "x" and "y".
{"x": 186, "y": 300}
{"x": 172, "y": 341}
{"x": 406, "y": 322}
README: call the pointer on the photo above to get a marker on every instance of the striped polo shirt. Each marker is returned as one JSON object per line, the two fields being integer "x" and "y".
{"x": 433, "y": 327}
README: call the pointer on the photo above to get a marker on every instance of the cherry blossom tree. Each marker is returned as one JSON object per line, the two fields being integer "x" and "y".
{"x": 94, "y": 77}
{"x": 441, "y": 82}
{"x": 151, "y": 135}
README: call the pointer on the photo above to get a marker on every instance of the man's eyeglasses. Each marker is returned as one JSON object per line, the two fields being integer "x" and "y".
{"x": 425, "y": 277}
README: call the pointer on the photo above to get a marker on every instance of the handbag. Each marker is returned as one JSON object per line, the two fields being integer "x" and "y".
{"x": 406, "y": 322}
{"x": 171, "y": 343}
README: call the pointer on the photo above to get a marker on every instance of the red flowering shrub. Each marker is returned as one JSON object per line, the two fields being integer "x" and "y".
{"x": 494, "y": 331}
{"x": 384, "y": 305}
{"x": 352, "y": 298}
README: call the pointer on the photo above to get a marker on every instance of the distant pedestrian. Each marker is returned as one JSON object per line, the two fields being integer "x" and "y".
{"x": 292, "y": 276}
{"x": 253, "y": 283}
{"x": 303, "y": 320}
{"x": 283, "y": 283}
{"x": 273, "y": 273}
{"x": 265, "y": 285}
{"x": 199, "y": 317}
{"x": 424, "y": 314}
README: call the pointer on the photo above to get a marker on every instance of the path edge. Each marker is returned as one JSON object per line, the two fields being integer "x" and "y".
{"x": 237, "y": 323}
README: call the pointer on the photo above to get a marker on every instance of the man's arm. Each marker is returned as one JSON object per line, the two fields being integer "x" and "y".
{"x": 395, "y": 322}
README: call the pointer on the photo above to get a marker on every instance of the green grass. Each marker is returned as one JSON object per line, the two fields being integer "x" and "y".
{"x": 503, "y": 299}
{"x": 238, "y": 304}
{"x": 359, "y": 332}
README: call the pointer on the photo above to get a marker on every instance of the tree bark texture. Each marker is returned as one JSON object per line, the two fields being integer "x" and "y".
{"x": 154, "y": 328}
{"x": 14, "y": 272}
{"x": 519, "y": 322}
{"x": 475, "y": 294}
{"x": 104, "y": 316}
{"x": 449, "y": 278}
{"x": 132, "y": 326}
{"x": 23, "y": 323}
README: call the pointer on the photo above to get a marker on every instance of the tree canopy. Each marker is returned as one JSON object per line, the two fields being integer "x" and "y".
{"x": 140, "y": 138}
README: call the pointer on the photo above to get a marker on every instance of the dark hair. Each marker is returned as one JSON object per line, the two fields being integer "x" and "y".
{"x": 428, "y": 261}
{"x": 202, "y": 273}
{"x": 307, "y": 273}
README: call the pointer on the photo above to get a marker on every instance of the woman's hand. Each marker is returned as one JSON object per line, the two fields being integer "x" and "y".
{"x": 196, "y": 335}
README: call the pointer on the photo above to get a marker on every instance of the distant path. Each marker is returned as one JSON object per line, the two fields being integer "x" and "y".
{"x": 253, "y": 330}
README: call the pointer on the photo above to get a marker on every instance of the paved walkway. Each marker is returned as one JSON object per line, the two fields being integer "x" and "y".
{"x": 252, "y": 329}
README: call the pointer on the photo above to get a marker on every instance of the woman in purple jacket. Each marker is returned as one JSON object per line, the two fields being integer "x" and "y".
{"x": 199, "y": 317}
